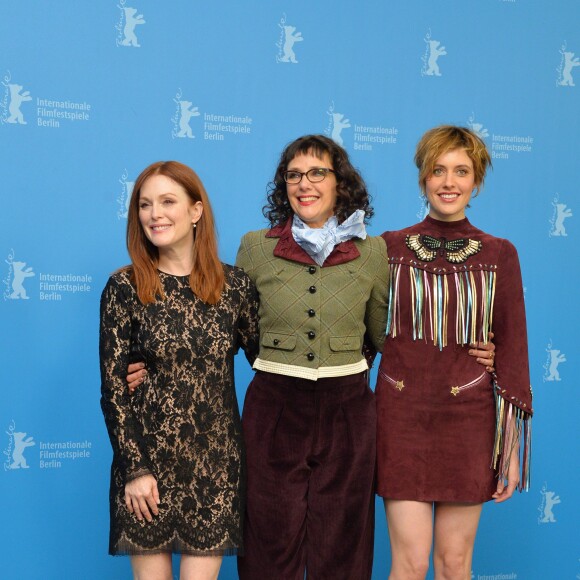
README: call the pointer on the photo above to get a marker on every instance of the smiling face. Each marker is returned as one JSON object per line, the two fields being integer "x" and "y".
{"x": 313, "y": 203}
{"x": 167, "y": 214}
{"x": 449, "y": 186}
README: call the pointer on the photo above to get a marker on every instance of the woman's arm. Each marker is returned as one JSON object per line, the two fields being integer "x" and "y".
{"x": 124, "y": 430}
{"x": 508, "y": 483}
{"x": 512, "y": 446}
{"x": 248, "y": 335}
{"x": 378, "y": 303}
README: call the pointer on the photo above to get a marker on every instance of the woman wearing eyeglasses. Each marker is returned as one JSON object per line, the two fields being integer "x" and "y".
{"x": 309, "y": 416}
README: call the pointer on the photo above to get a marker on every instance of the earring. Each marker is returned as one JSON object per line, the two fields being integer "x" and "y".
{"x": 194, "y": 231}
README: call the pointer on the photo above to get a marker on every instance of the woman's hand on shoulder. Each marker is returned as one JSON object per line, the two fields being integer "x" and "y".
{"x": 484, "y": 353}
{"x": 142, "y": 497}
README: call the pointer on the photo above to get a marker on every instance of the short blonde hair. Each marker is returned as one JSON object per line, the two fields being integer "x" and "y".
{"x": 440, "y": 140}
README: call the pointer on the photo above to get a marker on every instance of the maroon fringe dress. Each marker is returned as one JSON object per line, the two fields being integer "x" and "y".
{"x": 444, "y": 423}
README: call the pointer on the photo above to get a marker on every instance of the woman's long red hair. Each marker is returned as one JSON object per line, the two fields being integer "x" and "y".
{"x": 207, "y": 276}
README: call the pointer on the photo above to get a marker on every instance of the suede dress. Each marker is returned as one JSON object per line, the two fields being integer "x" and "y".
{"x": 443, "y": 423}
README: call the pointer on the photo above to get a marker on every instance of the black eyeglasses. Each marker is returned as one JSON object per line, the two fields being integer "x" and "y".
{"x": 314, "y": 175}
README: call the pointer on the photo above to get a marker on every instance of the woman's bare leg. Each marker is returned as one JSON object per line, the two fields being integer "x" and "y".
{"x": 411, "y": 535}
{"x": 455, "y": 530}
{"x": 199, "y": 567}
{"x": 151, "y": 567}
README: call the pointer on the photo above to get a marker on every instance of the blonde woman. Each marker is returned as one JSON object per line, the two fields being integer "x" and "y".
{"x": 449, "y": 433}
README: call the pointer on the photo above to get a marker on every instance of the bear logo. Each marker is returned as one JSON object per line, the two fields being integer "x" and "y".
{"x": 480, "y": 130}
{"x": 550, "y": 499}
{"x": 290, "y": 38}
{"x": 338, "y": 124}
{"x": 125, "y": 198}
{"x": 435, "y": 51}
{"x": 20, "y": 444}
{"x": 555, "y": 359}
{"x": 570, "y": 61}
{"x": 20, "y": 273}
{"x": 16, "y": 99}
{"x": 562, "y": 212}
{"x": 185, "y": 115}
{"x": 477, "y": 128}
{"x": 132, "y": 19}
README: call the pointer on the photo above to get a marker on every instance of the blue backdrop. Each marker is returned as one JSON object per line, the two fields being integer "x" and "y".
{"x": 92, "y": 92}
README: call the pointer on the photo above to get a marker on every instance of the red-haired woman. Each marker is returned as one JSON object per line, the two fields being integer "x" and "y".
{"x": 176, "y": 476}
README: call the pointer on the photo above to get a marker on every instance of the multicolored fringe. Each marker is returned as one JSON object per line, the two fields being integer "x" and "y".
{"x": 513, "y": 434}
{"x": 474, "y": 296}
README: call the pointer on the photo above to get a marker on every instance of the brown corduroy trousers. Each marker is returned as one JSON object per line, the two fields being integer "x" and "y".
{"x": 311, "y": 473}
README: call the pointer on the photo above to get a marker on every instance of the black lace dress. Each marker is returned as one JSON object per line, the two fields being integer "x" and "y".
{"x": 182, "y": 425}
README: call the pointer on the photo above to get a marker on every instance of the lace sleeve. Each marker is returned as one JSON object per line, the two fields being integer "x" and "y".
{"x": 125, "y": 431}
{"x": 248, "y": 333}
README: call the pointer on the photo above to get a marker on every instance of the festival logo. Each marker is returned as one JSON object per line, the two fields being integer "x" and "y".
{"x": 285, "y": 44}
{"x": 51, "y": 454}
{"x": 51, "y": 287}
{"x": 336, "y": 124}
{"x": 216, "y": 126}
{"x": 128, "y": 21}
{"x": 18, "y": 271}
{"x": 50, "y": 112}
{"x": 184, "y": 111}
{"x": 433, "y": 50}
{"x": 546, "y": 507}
{"x": 18, "y": 442}
{"x": 553, "y": 361}
{"x": 502, "y": 145}
{"x": 561, "y": 212}
{"x": 364, "y": 137}
{"x": 125, "y": 195}
{"x": 495, "y": 576}
{"x": 568, "y": 61}
{"x": 477, "y": 128}
{"x": 14, "y": 96}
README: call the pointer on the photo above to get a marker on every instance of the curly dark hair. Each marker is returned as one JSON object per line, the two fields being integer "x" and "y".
{"x": 351, "y": 190}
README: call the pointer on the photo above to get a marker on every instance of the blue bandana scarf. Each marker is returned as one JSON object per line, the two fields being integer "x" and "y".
{"x": 318, "y": 243}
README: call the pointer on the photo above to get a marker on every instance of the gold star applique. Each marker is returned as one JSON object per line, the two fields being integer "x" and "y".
{"x": 455, "y": 391}
{"x": 400, "y": 386}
